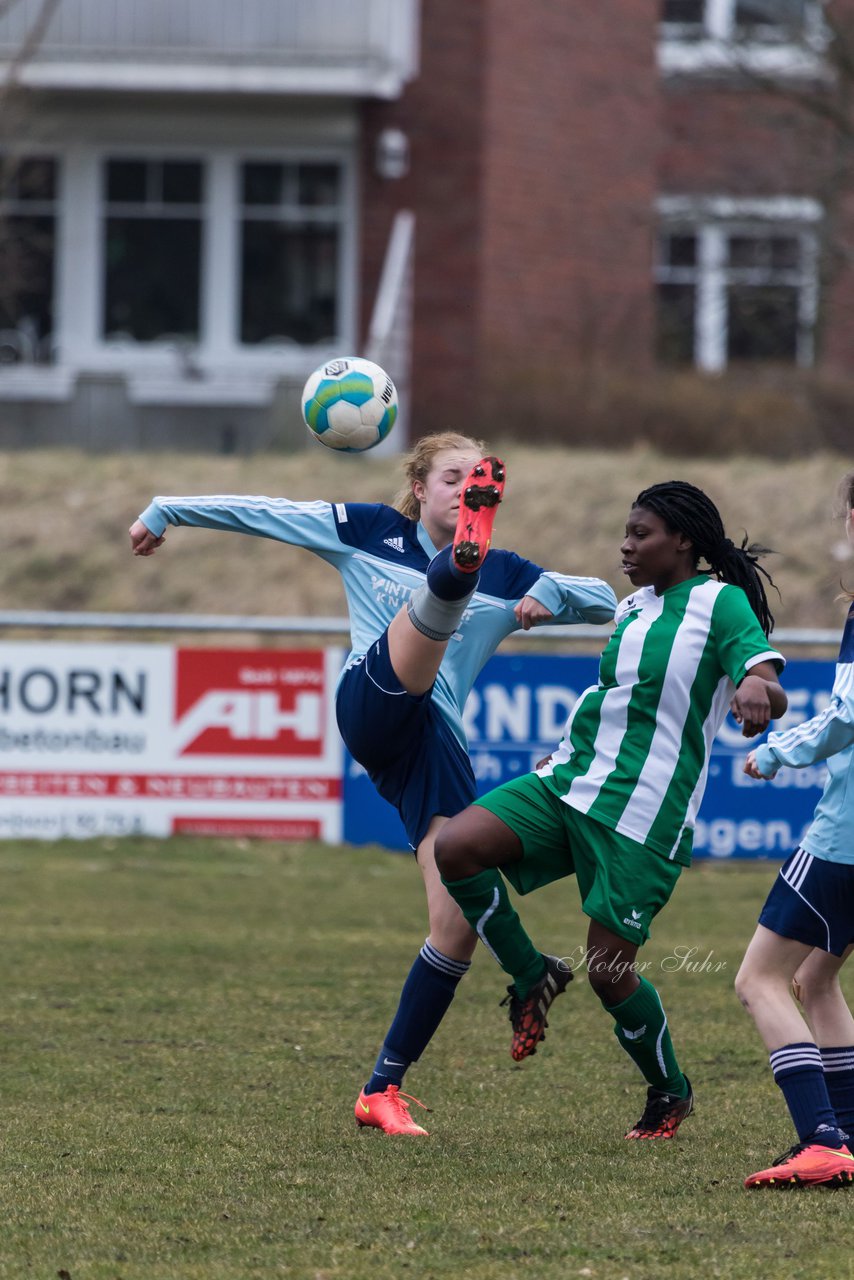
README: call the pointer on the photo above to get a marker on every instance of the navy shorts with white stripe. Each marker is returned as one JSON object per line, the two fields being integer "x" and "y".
{"x": 812, "y": 901}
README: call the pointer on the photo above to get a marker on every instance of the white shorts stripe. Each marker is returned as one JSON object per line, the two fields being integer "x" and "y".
{"x": 798, "y": 871}
{"x": 794, "y": 878}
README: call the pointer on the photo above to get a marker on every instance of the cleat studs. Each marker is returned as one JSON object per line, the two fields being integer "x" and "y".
{"x": 467, "y": 554}
{"x": 475, "y": 498}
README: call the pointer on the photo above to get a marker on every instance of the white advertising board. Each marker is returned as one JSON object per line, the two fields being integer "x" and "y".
{"x": 99, "y": 739}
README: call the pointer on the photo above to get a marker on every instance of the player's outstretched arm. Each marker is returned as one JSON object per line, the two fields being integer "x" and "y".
{"x": 826, "y": 734}
{"x": 312, "y": 525}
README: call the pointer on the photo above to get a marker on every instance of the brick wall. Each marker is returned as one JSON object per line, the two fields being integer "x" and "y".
{"x": 571, "y": 142}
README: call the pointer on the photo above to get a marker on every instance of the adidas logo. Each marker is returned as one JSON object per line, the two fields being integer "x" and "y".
{"x": 396, "y": 544}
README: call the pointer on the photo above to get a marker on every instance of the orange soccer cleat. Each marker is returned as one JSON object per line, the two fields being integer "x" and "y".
{"x": 663, "y": 1114}
{"x": 481, "y": 493}
{"x": 389, "y": 1112}
{"x": 807, "y": 1165}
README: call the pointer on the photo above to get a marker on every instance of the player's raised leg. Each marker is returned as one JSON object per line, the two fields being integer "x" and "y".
{"x": 419, "y": 634}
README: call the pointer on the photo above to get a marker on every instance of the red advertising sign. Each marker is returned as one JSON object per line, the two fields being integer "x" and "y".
{"x": 234, "y": 702}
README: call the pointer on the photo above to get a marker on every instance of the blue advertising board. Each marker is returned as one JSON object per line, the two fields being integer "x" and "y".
{"x": 515, "y": 716}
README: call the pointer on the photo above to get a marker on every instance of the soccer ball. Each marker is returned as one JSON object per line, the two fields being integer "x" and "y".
{"x": 349, "y": 404}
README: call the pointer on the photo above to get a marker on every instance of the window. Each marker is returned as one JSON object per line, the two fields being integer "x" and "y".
{"x": 27, "y": 256}
{"x": 734, "y": 286}
{"x": 677, "y": 298}
{"x": 739, "y": 19}
{"x": 153, "y": 249}
{"x": 770, "y": 19}
{"x": 291, "y": 221}
{"x": 686, "y": 14}
{"x": 185, "y": 265}
{"x": 770, "y": 37}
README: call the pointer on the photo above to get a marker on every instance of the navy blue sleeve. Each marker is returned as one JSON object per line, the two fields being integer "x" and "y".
{"x": 380, "y": 530}
{"x": 356, "y": 522}
{"x": 508, "y": 576}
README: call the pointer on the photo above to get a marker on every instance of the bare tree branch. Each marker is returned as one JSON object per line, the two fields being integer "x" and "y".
{"x": 826, "y": 97}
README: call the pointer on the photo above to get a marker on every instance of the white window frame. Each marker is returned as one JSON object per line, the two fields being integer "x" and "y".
{"x": 719, "y": 48}
{"x": 80, "y": 253}
{"x": 712, "y": 220}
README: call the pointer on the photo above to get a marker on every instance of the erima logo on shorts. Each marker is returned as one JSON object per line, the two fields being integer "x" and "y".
{"x": 634, "y": 922}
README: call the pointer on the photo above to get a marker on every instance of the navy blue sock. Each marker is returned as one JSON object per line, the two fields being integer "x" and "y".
{"x": 445, "y": 580}
{"x": 839, "y": 1077}
{"x": 424, "y": 1001}
{"x": 799, "y": 1073}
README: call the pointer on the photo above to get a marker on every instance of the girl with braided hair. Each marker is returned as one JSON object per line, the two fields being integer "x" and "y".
{"x": 615, "y": 803}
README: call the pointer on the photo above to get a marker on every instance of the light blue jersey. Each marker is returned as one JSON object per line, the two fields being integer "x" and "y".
{"x": 828, "y": 736}
{"x": 382, "y": 557}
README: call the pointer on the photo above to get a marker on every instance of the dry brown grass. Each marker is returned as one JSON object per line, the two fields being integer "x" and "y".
{"x": 65, "y": 517}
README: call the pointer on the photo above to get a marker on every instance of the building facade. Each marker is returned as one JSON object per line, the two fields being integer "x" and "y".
{"x": 200, "y": 203}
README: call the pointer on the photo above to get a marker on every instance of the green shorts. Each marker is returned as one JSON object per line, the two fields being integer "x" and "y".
{"x": 623, "y": 884}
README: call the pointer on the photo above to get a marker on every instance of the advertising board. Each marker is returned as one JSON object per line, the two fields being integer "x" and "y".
{"x": 151, "y": 739}
{"x": 99, "y": 739}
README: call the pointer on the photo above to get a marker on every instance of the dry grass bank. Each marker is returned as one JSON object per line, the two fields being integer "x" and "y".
{"x": 65, "y": 517}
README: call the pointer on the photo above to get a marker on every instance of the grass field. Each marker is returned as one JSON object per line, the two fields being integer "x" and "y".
{"x": 186, "y": 1025}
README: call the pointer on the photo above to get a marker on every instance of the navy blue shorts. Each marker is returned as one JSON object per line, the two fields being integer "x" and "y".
{"x": 812, "y": 901}
{"x": 400, "y": 739}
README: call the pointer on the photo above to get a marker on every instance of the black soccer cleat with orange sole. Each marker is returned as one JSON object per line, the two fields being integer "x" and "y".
{"x": 663, "y": 1113}
{"x": 528, "y": 1015}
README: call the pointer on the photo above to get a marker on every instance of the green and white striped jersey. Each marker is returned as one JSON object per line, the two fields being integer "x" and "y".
{"x": 635, "y": 750}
